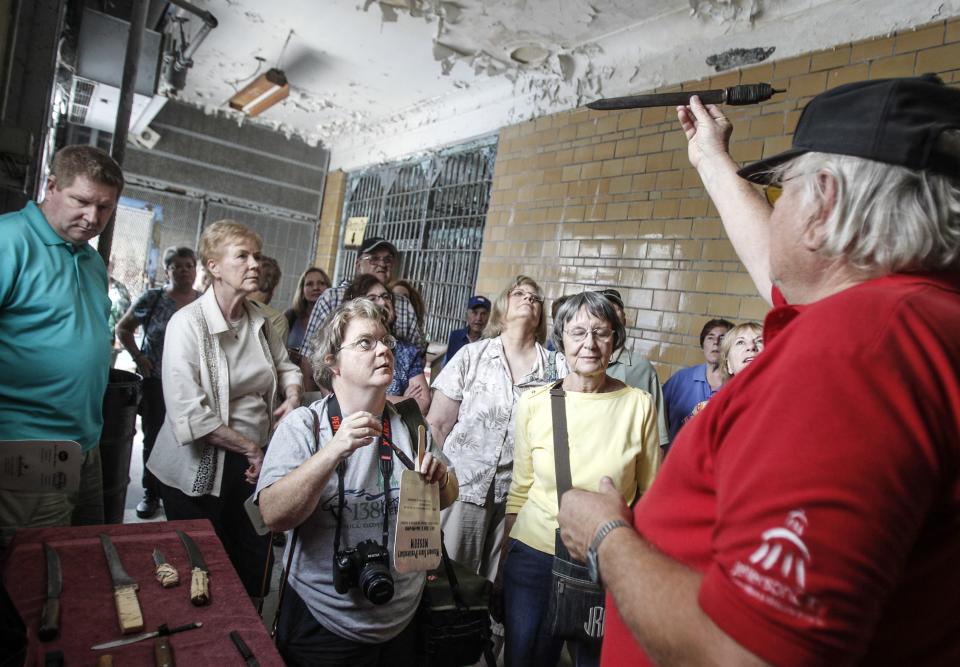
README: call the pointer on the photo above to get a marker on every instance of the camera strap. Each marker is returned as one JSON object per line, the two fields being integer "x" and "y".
{"x": 386, "y": 450}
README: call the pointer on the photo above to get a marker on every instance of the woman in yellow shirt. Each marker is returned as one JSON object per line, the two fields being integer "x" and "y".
{"x": 612, "y": 433}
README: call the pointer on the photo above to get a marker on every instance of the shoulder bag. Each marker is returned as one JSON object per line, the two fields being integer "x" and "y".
{"x": 576, "y": 608}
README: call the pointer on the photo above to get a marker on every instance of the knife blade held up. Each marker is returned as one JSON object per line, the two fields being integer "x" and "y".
{"x": 748, "y": 93}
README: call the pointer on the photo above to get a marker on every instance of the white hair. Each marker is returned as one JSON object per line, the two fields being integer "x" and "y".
{"x": 887, "y": 218}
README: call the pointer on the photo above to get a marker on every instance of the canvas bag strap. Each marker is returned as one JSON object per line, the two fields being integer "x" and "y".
{"x": 561, "y": 447}
{"x": 293, "y": 539}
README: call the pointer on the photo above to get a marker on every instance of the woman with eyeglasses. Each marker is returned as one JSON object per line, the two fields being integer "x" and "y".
{"x": 612, "y": 433}
{"x": 409, "y": 380}
{"x": 324, "y": 474}
{"x": 472, "y": 418}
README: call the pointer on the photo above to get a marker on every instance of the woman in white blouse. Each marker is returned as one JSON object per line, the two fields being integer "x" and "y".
{"x": 222, "y": 367}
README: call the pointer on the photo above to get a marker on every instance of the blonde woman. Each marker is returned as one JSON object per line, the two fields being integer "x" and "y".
{"x": 221, "y": 373}
{"x": 312, "y": 284}
{"x": 739, "y": 348}
{"x": 472, "y": 418}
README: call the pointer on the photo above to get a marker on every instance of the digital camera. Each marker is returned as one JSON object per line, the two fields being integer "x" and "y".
{"x": 367, "y": 567}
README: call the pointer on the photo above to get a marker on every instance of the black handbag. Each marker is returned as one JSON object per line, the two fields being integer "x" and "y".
{"x": 453, "y": 620}
{"x": 576, "y": 608}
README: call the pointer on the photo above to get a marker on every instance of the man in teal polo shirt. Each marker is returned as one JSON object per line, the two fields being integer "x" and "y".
{"x": 54, "y": 338}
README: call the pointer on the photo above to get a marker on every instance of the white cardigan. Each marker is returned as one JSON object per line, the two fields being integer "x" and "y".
{"x": 196, "y": 390}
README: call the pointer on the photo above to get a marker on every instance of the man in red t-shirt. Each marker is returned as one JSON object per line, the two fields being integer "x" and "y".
{"x": 810, "y": 515}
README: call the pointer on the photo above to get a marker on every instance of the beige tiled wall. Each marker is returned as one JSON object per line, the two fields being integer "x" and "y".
{"x": 585, "y": 198}
{"x": 329, "y": 234}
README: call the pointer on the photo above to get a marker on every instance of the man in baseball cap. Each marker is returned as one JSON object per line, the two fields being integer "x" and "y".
{"x": 808, "y": 516}
{"x": 478, "y": 312}
{"x": 379, "y": 257}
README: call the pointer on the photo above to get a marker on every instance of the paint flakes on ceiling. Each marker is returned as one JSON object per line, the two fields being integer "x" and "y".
{"x": 733, "y": 58}
{"x": 727, "y": 11}
{"x": 407, "y": 75}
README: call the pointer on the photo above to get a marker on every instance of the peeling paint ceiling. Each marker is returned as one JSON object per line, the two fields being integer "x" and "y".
{"x": 375, "y": 80}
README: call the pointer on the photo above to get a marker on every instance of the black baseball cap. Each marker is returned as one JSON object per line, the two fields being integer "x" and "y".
{"x": 374, "y": 242}
{"x": 896, "y": 121}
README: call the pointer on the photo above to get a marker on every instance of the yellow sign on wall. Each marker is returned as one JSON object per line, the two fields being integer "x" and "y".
{"x": 355, "y": 229}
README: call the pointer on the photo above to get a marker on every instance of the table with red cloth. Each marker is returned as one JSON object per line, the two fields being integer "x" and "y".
{"x": 88, "y": 615}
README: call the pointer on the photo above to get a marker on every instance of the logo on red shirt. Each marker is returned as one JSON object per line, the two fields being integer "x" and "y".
{"x": 776, "y": 573}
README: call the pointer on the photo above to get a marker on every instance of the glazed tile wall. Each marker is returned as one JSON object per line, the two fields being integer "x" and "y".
{"x": 584, "y": 199}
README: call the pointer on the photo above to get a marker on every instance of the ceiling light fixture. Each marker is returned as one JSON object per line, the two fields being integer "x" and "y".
{"x": 261, "y": 93}
{"x": 529, "y": 54}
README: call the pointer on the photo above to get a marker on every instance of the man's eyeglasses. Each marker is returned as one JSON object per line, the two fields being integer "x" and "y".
{"x": 524, "y": 294}
{"x": 367, "y": 343}
{"x": 599, "y": 335}
{"x": 378, "y": 260}
{"x": 772, "y": 191}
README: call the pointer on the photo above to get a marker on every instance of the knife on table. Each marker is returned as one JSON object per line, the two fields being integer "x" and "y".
{"x": 50, "y": 617}
{"x": 200, "y": 575}
{"x": 166, "y": 573}
{"x": 162, "y": 631}
{"x": 245, "y": 651}
{"x": 124, "y": 590}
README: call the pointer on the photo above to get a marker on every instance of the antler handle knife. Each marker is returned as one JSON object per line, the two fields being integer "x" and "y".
{"x": 124, "y": 590}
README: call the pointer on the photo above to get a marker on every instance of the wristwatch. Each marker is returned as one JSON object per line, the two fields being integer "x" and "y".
{"x": 593, "y": 559}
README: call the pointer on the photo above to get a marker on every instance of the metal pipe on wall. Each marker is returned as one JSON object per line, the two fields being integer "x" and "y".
{"x": 118, "y": 149}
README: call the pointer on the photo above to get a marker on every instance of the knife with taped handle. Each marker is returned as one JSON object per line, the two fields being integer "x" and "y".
{"x": 162, "y": 631}
{"x": 50, "y": 616}
{"x": 166, "y": 573}
{"x": 124, "y": 590}
{"x": 200, "y": 574}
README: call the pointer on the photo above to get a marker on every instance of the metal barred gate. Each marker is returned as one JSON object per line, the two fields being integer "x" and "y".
{"x": 434, "y": 210}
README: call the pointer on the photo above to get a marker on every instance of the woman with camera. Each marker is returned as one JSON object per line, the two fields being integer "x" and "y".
{"x": 332, "y": 471}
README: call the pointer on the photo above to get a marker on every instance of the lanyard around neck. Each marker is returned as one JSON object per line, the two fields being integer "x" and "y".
{"x": 386, "y": 448}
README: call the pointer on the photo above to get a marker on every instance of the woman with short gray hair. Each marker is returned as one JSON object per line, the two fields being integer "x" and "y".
{"x": 153, "y": 311}
{"x": 587, "y": 330}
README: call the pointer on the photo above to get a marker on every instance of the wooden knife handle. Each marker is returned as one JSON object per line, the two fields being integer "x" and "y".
{"x": 50, "y": 620}
{"x": 199, "y": 587}
{"x": 163, "y": 652}
{"x": 105, "y": 661}
{"x": 128, "y": 609}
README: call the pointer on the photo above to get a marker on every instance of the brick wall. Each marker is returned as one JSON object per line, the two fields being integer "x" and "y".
{"x": 329, "y": 234}
{"x": 587, "y": 198}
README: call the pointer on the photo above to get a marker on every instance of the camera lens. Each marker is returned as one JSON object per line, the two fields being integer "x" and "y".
{"x": 376, "y": 583}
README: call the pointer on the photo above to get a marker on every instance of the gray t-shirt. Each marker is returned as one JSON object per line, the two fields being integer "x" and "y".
{"x": 351, "y": 616}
